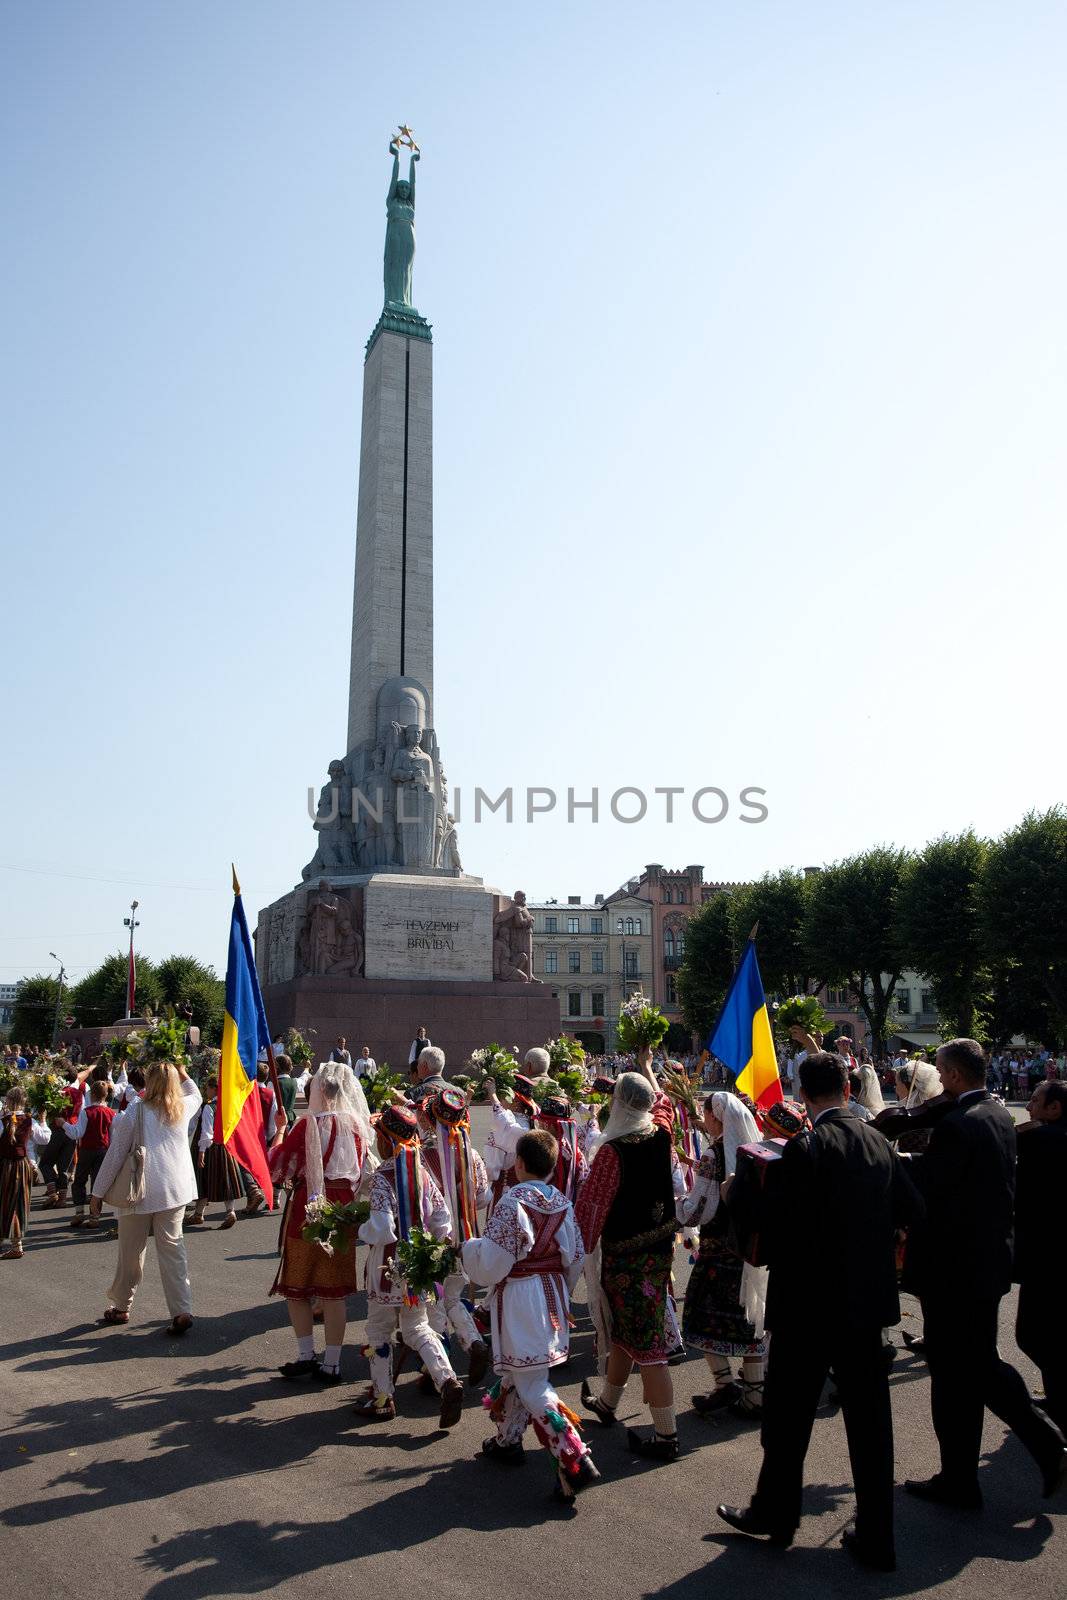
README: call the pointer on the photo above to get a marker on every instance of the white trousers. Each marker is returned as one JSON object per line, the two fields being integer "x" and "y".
{"x": 452, "y": 1313}
{"x": 528, "y": 1396}
{"x": 415, "y": 1330}
{"x": 166, "y": 1229}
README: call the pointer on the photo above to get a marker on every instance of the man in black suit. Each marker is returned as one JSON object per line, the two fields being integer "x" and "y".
{"x": 960, "y": 1265}
{"x": 1040, "y": 1257}
{"x": 844, "y": 1191}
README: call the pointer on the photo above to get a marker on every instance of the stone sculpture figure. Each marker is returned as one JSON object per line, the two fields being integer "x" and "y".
{"x": 330, "y": 944}
{"x": 400, "y": 230}
{"x": 413, "y": 777}
{"x": 513, "y": 942}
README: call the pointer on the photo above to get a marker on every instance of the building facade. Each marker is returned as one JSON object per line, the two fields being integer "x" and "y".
{"x": 595, "y": 952}
{"x": 8, "y": 996}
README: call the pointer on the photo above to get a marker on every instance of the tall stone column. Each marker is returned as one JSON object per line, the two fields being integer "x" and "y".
{"x": 392, "y": 618}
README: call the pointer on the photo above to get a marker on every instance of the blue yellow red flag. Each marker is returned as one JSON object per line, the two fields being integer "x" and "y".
{"x": 742, "y": 1037}
{"x": 239, "y": 1110}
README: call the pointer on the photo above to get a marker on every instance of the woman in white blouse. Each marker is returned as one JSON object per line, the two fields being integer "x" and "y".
{"x": 160, "y": 1121}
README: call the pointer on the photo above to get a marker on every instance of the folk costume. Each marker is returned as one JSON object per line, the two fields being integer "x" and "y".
{"x": 627, "y": 1209}
{"x": 92, "y": 1132}
{"x": 403, "y": 1196}
{"x": 725, "y": 1298}
{"x": 218, "y": 1176}
{"x": 16, "y": 1130}
{"x": 459, "y": 1171}
{"x": 508, "y": 1127}
{"x": 530, "y": 1256}
{"x": 555, "y": 1115}
{"x": 325, "y": 1156}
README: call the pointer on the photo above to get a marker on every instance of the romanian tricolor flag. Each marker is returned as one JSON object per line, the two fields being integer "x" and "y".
{"x": 742, "y": 1038}
{"x": 238, "y": 1112}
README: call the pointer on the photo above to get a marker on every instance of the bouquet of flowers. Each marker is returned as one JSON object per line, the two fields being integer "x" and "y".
{"x": 572, "y": 1082}
{"x": 801, "y": 1011}
{"x": 125, "y": 1048}
{"x": 9, "y": 1076}
{"x": 642, "y": 1026}
{"x": 387, "y": 1087}
{"x": 493, "y": 1061}
{"x": 328, "y": 1223}
{"x": 678, "y": 1086}
{"x": 422, "y": 1263}
{"x": 299, "y": 1051}
{"x": 45, "y": 1097}
{"x": 165, "y": 1040}
{"x": 564, "y": 1052}
{"x": 543, "y": 1087}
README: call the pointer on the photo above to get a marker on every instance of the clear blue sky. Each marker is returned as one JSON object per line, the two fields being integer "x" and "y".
{"x": 749, "y": 410}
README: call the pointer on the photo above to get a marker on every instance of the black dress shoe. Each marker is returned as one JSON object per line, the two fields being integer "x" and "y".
{"x": 745, "y": 1520}
{"x": 940, "y": 1493}
{"x": 720, "y": 1399}
{"x": 297, "y": 1370}
{"x": 915, "y": 1342}
{"x": 1054, "y": 1476}
{"x": 505, "y": 1455}
{"x": 868, "y": 1555}
{"x": 604, "y": 1414}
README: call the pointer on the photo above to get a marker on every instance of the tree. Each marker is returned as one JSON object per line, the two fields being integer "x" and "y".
{"x": 100, "y": 998}
{"x": 778, "y": 902}
{"x": 185, "y": 981}
{"x": 708, "y": 965}
{"x": 851, "y": 933}
{"x": 1023, "y": 912}
{"x": 678, "y": 1041}
{"x": 34, "y": 1014}
{"x": 941, "y": 930}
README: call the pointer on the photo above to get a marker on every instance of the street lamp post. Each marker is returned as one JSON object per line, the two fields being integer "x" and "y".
{"x": 131, "y": 971}
{"x": 59, "y": 998}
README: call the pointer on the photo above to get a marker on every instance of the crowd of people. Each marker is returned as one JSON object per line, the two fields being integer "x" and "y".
{"x": 802, "y": 1217}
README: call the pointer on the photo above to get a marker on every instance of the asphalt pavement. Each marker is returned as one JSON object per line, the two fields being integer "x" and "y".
{"x": 137, "y": 1465}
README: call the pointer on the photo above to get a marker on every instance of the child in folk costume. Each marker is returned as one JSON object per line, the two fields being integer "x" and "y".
{"x": 591, "y": 1117}
{"x": 92, "y": 1130}
{"x": 324, "y": 1155}
{"x": 554, "y": 1114}
{"x": 16, "y": 1131}
{"x": 508, "y": 1127}
{"x": 403, "y": 1195}
{"x": 725, "y": 1299}
{"x": 218, "y": 1176}
{"x": 530, "y": 1256}
{"x": 459, "y": 1171}
{"x": 627, "y": 1207}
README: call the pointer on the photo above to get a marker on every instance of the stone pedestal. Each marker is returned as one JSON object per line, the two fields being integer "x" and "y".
{"x": 387, "y": 1013}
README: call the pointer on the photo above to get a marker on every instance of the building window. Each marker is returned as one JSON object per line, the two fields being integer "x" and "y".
{"x": 637, "y": 925}
{"x": 598, "y": 1003}
{"x": 928, "y": 1001}
{"x": 596, "y": 924}
{"x": 574, "y": 925}
{"x": 679, "y": 946}
{"x": 551, "y": 961}
{"x": 574, "y": 1003}
{"x": 667, "y": 897}
{"x": 598, "y": 960}
{"x": 903, "y": 999}
{"x": 681, "y": 897}
{"x": 551, "y": 924}
{"x": 672, "y": 992}
{"x": 618, "y": 926}
{"x": 574, "y": 961}
{"x": 630, "y": 969}
{"x": 630, "y": 926}
{"x": 668, "y": 944}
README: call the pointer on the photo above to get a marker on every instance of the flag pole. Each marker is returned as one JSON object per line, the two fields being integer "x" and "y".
{"x": 281, "y": 1118}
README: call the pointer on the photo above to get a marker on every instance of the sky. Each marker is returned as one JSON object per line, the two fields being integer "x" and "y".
{"x": 750, "y": 379}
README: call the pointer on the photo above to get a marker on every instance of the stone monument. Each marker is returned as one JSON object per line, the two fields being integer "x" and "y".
{"x": 386, "y": 930}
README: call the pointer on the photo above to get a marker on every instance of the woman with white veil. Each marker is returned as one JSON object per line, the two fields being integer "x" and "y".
{"x": 726, "y": 1297}
{"x": 323, "y": 1156}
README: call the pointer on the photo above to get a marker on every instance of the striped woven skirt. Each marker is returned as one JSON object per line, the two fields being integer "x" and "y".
{"x": 220, "y": 1177}
{"x": 14, "y": 1197}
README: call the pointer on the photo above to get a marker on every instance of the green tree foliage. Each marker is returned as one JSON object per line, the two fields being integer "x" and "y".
{"x": 35, "y": 1009}
{"x": 1023, "y": 912}
{"x": 941, "y": 933}
{"x": 100, "y": 997}
{"x": 705, "y": 973}
{"x": 185, "y": 981}
{"x": 778, "y": 902}
{"x": 677, "y": 1041}
{"x": 851, "y": 932}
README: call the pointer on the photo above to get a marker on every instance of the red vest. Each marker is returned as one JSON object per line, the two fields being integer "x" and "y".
{"x": 98, "y": 1120}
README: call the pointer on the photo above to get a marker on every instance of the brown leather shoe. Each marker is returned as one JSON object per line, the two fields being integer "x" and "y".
{"x": 451, "y": 1403}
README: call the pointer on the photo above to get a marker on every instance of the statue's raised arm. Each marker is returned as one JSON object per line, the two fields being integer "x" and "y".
{"x": 394, "y": 151}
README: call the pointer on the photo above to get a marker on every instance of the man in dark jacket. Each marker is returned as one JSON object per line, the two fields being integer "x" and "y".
{"x": 960, "y": 1265}
{"x": 1040, "y": 1257}
{"x": 842, "y": 1189}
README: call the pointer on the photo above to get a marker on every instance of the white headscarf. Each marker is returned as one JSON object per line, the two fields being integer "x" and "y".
{"x": 738, "y": 1128}
{"x": 925, "y": 1084}
{"x": 631, "y": 1107}
{"x": 335, "y": 1101}
{"x": 870, "y": 1095}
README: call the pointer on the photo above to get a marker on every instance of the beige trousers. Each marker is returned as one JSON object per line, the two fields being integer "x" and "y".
{"x": 166, "y": 1227}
